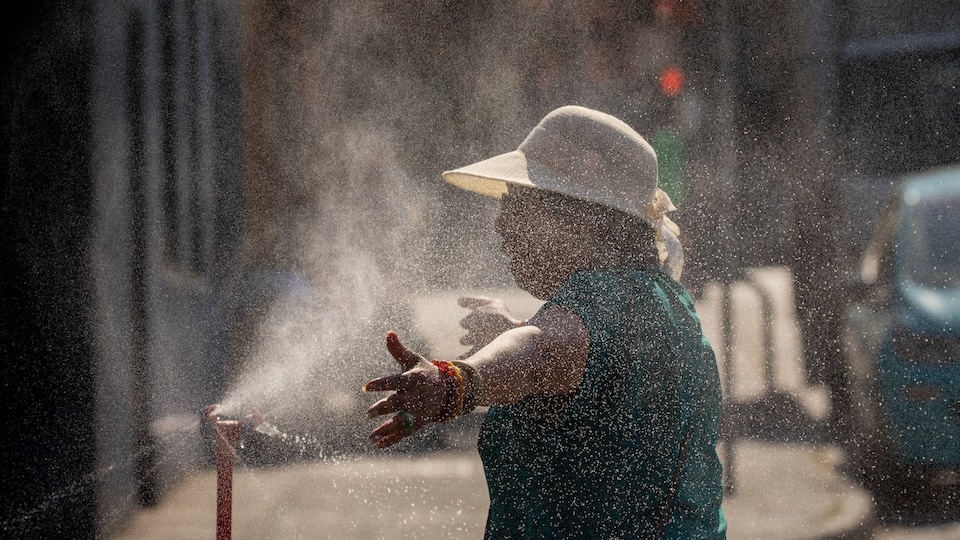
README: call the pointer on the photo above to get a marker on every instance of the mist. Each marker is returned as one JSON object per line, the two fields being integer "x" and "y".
{"x": 210, "y": 203}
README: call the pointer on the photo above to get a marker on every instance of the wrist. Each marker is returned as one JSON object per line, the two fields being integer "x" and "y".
{"x": 464, "y": 389}
{"x": 473, "y": 386}
{"x": 454, "y": 391}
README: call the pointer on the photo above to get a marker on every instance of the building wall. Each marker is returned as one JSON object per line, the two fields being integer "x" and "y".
{"x": 120, "y": 205}
{"x": 166, "y": 223}
{"x": 46, "y": 474}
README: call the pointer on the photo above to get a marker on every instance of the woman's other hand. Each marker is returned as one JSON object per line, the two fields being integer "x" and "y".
{"x": 487, "y": 319}
{"x": 420, "y": 394}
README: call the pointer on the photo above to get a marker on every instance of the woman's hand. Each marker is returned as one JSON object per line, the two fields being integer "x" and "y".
{"x": 420, "y": 394}
{"x": 488, "y": 319}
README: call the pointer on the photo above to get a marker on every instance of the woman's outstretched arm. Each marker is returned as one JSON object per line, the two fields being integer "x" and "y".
{"x": 546, "y": 356}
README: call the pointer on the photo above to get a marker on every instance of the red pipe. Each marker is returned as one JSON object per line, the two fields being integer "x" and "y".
{"x": 226, "y": 435}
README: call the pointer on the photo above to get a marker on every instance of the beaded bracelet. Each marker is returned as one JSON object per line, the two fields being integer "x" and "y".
{"x": 461, "y": 389}
{"x": 454, "y": 403}
{"x": 473, "y": 383}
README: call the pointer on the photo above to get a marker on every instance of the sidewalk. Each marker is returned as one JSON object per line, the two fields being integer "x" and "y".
{"x": 784, "y": 491}
{"x": 794, "y": 491}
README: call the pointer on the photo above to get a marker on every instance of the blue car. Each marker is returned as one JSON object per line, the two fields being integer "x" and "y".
{"x": 902, "y": 343}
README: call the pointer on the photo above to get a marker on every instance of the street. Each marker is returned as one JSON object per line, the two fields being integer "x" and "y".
{"x": 785, "y": 478}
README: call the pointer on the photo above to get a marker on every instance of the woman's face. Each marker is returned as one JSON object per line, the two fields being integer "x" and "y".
{"x": 543, "y": 248}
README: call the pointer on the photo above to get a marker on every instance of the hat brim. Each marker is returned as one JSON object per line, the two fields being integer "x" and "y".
{"x": 491, "y": 176}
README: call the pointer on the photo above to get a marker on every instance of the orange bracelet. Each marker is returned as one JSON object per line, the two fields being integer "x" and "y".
{"x": 472, "y": 386}
{"x": 454, "y": 404}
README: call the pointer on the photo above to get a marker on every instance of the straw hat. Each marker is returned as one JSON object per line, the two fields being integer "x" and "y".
{"x": 584, "y": 154}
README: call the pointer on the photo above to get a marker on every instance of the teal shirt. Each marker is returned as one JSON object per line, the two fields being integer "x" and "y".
{"x": 598, "y": 462}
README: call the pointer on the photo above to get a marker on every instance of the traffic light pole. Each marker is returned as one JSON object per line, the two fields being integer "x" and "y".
{"x": 727, "y": 210}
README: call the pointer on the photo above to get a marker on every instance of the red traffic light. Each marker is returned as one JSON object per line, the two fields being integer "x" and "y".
{"x": 671, "y": 81}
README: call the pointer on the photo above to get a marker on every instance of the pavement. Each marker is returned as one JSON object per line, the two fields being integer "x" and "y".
{"x": 794, "y": 491}
{"x": 785, "y": 477}
{"x": 782, "y": 491}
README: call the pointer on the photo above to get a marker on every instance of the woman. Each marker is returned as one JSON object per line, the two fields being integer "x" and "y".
{"x": 605, "y": 406}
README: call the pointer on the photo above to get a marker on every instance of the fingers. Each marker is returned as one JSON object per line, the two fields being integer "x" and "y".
{"x": 475, "y": 322}
{"x": 390, "y": 382}
{"x": 482, "y": 321}
{"x": 412, "y": 389}
{"x": 387, "y": 405}
{"x": 395, "y": 430}
{"x": 404, "y": 356}
{"x": 475, "y": 338}
{"x": 477, "y": 319}
{"x": 473, "y": 302}
{"x": 482, "y": 327}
